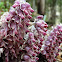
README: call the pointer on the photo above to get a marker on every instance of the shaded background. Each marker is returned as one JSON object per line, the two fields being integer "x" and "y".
{"x": 51, "y": 9}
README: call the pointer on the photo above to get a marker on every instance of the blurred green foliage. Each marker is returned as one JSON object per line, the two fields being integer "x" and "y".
{"x": 2, "y": 7}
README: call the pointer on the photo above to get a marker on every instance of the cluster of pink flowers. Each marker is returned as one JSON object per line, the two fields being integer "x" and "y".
{"x": 52, "y": 44}
{"x": 22, "y": 40}
{"x": 17, "y": 41}
{"x": 13, "y": 28}
{"x": 35, "y": 38}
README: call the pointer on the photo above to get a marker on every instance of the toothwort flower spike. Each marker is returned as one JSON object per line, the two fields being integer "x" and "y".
{"x": 51, "y": 46}
{"x": 23, "y": 40}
